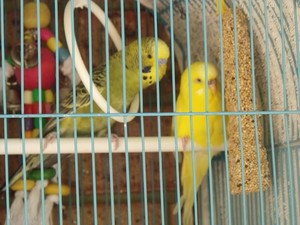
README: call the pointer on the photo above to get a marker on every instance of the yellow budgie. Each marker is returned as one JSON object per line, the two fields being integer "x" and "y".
{"x": 198, "y": 94}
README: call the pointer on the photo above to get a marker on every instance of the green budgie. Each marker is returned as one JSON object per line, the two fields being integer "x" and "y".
{"x": 133, "y": 76}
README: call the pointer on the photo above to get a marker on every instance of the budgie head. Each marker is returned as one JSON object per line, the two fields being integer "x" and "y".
{"x": 198, "y": 80}
{"x": 148, "y": 62}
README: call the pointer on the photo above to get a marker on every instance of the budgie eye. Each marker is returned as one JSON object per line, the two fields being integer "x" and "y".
{"x": 199, "y": 80}
{"x": 146, "y": 69}
{"x": 149, "y": 56}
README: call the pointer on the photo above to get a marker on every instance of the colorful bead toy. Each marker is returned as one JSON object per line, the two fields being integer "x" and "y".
{"x": 38, "y": 74}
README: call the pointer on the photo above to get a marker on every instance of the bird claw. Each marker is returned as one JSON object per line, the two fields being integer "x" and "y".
{"x": 184, "y": 141}
{"x": 115, "y": 141}
{"x": 49, "y": 139}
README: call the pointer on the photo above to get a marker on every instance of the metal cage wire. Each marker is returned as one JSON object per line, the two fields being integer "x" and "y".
{"x": 215, "y": 205}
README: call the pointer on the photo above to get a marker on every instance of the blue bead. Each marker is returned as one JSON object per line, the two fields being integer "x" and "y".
{"x": 28, "y": 123}
{"x": 63, "y": 54}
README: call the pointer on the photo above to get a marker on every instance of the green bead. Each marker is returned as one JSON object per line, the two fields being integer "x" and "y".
{"x": 37, "y": 122}
{"x": 36, "y": 174}
{"x": 10, "y": 60}
{"x": 35, "y": 95}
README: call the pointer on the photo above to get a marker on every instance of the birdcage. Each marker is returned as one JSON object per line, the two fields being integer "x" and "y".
{"x": 130, "y": 170}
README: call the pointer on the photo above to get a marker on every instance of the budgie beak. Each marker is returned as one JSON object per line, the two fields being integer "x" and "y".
{"x": 212, "y": 85}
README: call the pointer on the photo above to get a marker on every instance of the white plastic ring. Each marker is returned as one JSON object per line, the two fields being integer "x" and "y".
{"x": 80, "y": 67}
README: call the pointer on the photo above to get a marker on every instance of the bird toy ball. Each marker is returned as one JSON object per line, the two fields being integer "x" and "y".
{"x": 252, "y": 169}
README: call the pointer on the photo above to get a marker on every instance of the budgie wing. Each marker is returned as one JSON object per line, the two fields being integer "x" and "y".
{"x": 180, "y": 107}
{"x": 82, "y": 99}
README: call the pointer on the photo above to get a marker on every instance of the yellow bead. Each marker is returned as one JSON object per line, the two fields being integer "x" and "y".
{"x": 51, "y": 44}
{"x": 35, "y": 132}
{"x": 49, "y": 96}
{"x": 53, "y": 189}
{"x": 28, "y": 134}
{"x": 19, "y": 185}
{"x": 28, "y": 99}
{"x": 30, "y": 15}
